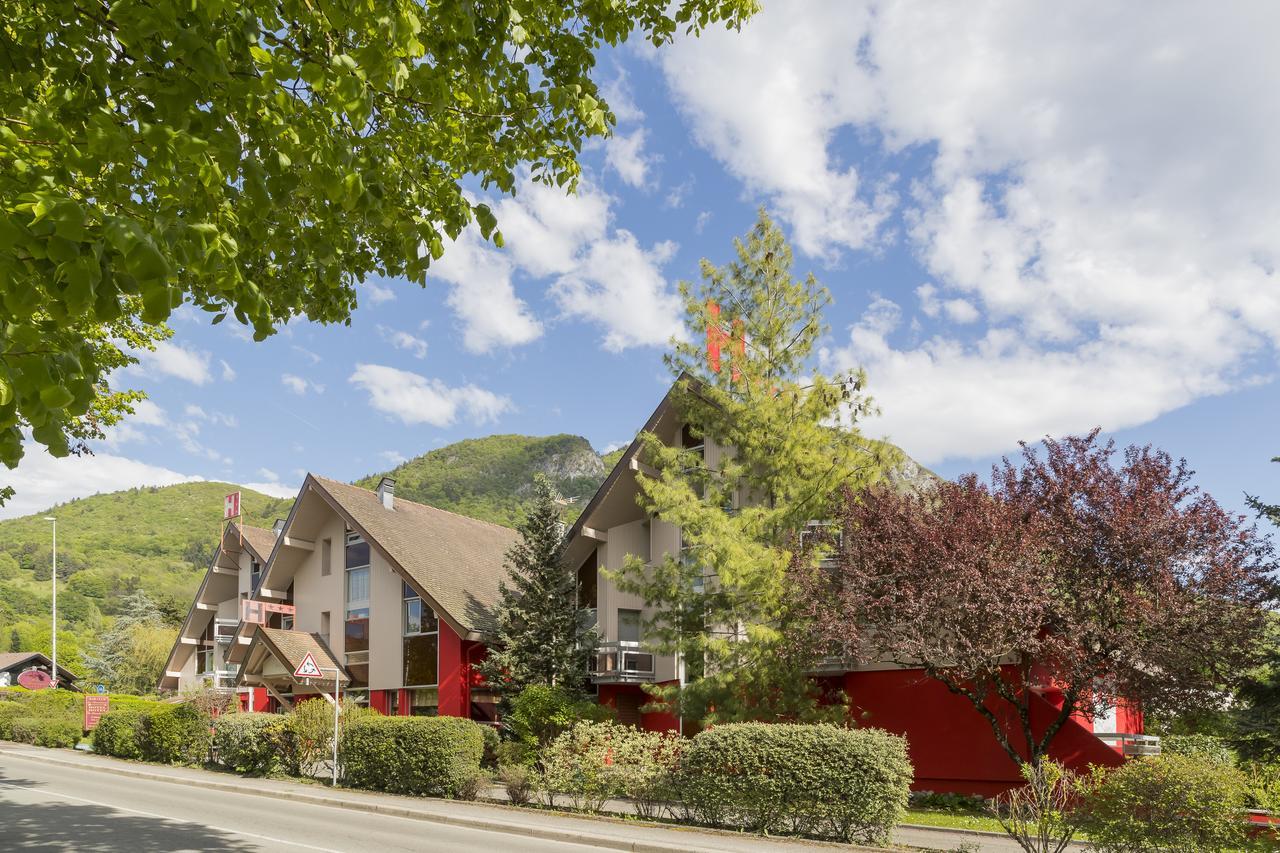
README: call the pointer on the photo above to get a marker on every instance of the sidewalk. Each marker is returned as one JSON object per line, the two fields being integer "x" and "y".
{"x": 617, "y": 833}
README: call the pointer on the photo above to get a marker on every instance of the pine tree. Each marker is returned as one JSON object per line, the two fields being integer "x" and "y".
{"x": 724, "y": 604}
{"x": 542, "y": 635}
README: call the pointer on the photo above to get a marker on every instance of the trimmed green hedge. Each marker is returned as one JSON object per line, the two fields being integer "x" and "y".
{"x": 178, "y": 734}
{"x": 431, "y": 756}
{"x": 119, "y": 733}
{"x": 255, "y": 743}
{"x": 45, "y": 731}
{"x": 849, "y": 784}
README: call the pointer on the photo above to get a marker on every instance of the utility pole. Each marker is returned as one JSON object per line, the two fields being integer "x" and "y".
{"x": 53, "y": 579}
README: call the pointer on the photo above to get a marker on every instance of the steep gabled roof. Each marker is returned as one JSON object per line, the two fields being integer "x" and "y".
{"x": 456, "y": 561}
{"x": 290, "y": 648}
{"x": 260, "y": 541}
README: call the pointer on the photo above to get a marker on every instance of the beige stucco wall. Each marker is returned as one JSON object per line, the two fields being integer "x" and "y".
{"x": 314, "y": 593}
{"x": 386, "y": 638}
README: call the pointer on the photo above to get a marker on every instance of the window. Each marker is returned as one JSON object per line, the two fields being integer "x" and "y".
{"x": 424, "y": 703}
{"x": 355, "y": 643}
{"x": 204, "y": 661}
{"x": 326, "y": 557}
{"x": 286, "y": 622}
{"x": 324, "y": 626}
{"x": 421, "y": 641}
{"x": 255, "y": 573}
{"x": 629, "y": 626}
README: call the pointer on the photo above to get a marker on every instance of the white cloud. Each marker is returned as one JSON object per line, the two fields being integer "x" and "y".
{"x": 170, "y": 359}
{"x": 310, "y": 356}
{"x": 598, "y": 273}
{"x": 300, "y": 385}
{"x": 415, "y": 399}
{"x": 377, "y": 293}
{"x": 618, "y": 284}
{"x": 228, "y": 372}
{"x": 273, "y": 488}
{"x": 1096, "y": 213}
{"x": 268, "y": 474}
{"x": 625, "y": 154}
{"x": 393, "y": 457}
{"x": 405, "y": 341}
{"x": 40, "y": 480}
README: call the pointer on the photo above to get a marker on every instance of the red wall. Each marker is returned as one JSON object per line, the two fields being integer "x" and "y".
{"x": 952, "y": 746}
{"x": 657, "y": 721}
{"x": 452, "y": 676}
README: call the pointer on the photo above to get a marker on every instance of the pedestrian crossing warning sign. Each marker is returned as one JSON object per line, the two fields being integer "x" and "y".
{"x": 308, "y": 668}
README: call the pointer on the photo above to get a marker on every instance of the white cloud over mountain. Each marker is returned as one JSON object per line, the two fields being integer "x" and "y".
{"x": 415, "y": 399}
{"x": 1097, "y": 211}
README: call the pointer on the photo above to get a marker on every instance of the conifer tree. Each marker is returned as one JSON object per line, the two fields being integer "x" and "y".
{"x": 129, "y": 657}
{"x": 723, "y": 605}
{"x": 542, "y": 635}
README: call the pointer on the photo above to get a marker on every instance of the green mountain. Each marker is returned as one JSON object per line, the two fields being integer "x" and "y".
{"x": 158, "y": 539}
{"x": 489, "y": 478}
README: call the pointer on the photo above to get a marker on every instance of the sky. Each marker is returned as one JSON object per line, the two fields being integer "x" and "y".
{"x": 1035, "y": 219}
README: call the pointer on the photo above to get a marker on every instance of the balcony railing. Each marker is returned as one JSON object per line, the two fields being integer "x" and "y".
{"x": 621, "y": 662}
{"x": 224, "y": 630}
{"x": 1130, "y": 746}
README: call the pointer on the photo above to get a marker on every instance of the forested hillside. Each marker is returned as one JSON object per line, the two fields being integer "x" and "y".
{"x": 489, "y": 478}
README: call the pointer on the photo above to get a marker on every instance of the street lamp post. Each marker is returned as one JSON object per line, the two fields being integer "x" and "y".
{"x": 53, "y": 579}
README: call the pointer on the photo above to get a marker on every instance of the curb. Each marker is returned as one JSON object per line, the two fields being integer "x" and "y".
{"x": 545, "y": 834}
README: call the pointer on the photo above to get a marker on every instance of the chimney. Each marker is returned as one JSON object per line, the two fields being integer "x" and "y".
{"x": 387, "y": 492}
{"x": 277, "y": 527}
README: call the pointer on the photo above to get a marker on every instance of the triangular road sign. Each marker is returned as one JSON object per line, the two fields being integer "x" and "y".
{"x": 308, "y": 668}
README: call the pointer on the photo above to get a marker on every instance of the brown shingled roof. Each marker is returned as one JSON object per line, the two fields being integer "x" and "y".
{"x": 260, "y": 540}
{"x": 290, "y": 647}
{"x": 457, "y": 561}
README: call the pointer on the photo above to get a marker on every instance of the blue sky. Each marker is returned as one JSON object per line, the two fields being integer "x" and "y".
{"x": 1034, "y": 220}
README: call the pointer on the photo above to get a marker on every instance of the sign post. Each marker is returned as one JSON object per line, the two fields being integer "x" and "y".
{"x": 308, "y": 670}
{"x": 94, "y": 707}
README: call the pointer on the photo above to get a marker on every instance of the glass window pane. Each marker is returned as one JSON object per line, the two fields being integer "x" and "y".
{"x": 357, "y": 585}
{"x": 629, "y": 626}
{"x": 429, "y": 621}
{"x": 420, "y": 659}
{"x": 357, "y": 553}
{"x": 413, "y": 616}
{"x": 409, "y": 592}
{"x": 357, "y": 631}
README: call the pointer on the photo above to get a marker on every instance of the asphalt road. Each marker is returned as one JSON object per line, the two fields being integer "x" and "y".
{"x": 49, "y": 807}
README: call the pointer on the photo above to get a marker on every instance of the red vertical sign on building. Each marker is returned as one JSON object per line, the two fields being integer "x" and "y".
{"x": 94, "y": 708}
{"x": 231, "y": 506}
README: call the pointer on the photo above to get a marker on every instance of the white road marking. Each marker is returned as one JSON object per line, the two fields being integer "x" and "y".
{"x": 240, "y": 832}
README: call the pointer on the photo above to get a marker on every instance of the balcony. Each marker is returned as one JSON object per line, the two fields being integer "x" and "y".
{"x": 1130, "y": 746}
{"x": 621, "y": 662}
{"x": 224, "y": 630}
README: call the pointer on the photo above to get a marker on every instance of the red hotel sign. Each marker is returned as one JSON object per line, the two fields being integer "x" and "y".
{"x": 94, "y": 708}
{"x": 35, "y": 679}
{"x": 256, "y": 611}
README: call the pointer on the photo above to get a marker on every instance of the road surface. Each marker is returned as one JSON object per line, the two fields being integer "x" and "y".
{"x": 51, "y": 807}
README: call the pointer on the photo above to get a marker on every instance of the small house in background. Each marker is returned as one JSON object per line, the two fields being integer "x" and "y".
{"x": 13, "y": 665}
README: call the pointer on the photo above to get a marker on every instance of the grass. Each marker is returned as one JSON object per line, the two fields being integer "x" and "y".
{"x": 953, "y": 819}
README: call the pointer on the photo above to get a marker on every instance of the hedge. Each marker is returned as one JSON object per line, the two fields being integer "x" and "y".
{"x": 119, "y": 733}
{"x": 45, "y": 731}
{"x": 594, "y": 762}
{"x": 1166, "y": 802}
{"x": 255, "y": 743}
{"x": 432, "y": 756}
{"x": 849, "y": 784}
{"x": 178, "y": 734}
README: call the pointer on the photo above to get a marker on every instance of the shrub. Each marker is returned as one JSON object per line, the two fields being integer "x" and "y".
{"x": 1264, "y": 785}
{"x": 539, "y": 714}
{"x": 46, "y": 731}
{"x": 10, "y": 711}
{"x": 119, "y": 733}
{"x": 850, "y": 784}
{"x": 1038, "y": 815}
{"x": 310, "y": 737}
{"x": 950, "y": 802}
{"x": 511, "y": 753}
{"x": 1176, "y": 802}
{"x": 647, "y": 763}
{"x": 580, "y": 763}
{"x": 520, "y": 781}
{"x": 432, "y": 756}
{"x": 178, "y": 734}
{"x": 473, "y": 786}
{"x": 1209, "y": 747}
{"x": 491, "y": 744}
{"x": 257, "y": 744}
